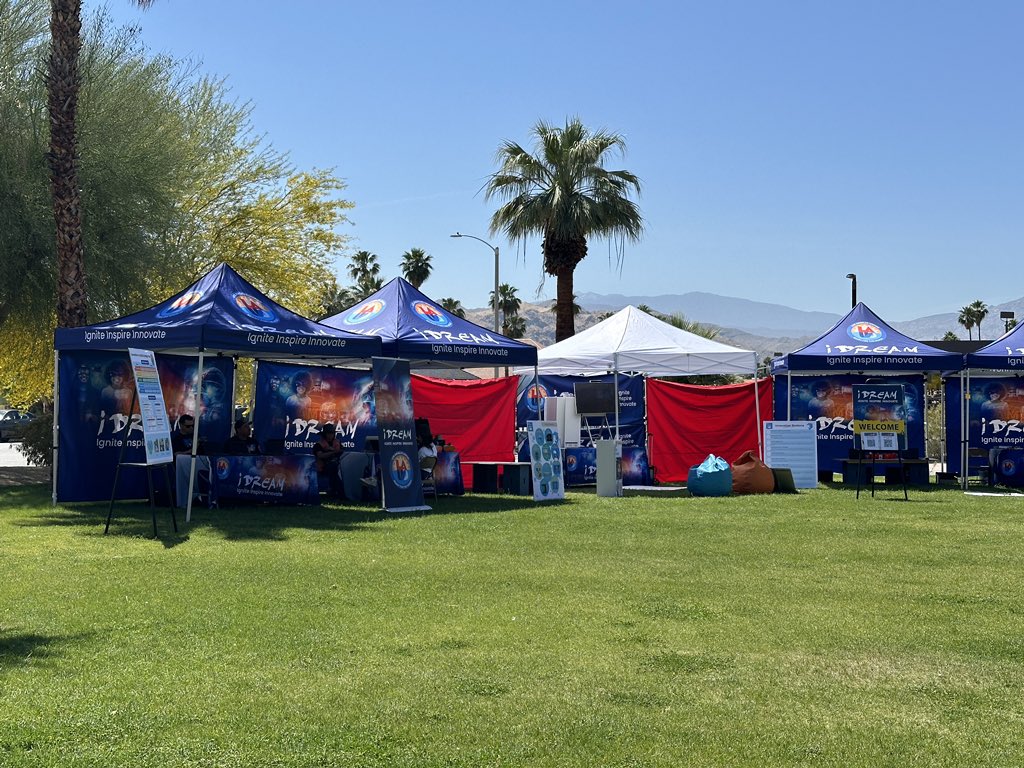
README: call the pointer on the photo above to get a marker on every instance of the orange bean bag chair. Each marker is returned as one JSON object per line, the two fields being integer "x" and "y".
{"x": 751, "y": 475}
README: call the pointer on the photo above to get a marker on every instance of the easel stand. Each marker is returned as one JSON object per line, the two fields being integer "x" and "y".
{"x": 874, "y": 454}
{"x": 587, "y": 424}
{"x": 149, "y": 478}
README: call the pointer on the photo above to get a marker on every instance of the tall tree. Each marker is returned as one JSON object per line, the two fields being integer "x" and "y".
{"x": 63, "y": 84}
{"x": 564, "y": 193}
{"x": 364, "y": 269}
{"x": 508, "y": 301}
{"x": 454, "y": 306}
{"x": 172, "y": 181}
{"x": 416, "y": 266}
{"x": 966, "y": 319}
{"x": 979, "y": 309}
{"x": 514, "y": 327}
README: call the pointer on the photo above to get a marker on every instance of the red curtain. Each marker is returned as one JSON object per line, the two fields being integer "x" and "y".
{"x": 477, "y": 417}
{"x": 686, "y": 422}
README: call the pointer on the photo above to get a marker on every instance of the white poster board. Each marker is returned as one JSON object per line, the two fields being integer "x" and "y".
{"x": 156, "y": 430}
{"x": 793, "y": 445}
{"x": 546, "y": 460}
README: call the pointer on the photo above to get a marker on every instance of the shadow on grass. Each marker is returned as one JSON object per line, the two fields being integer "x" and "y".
{"x": 271, "y": 522}
{"x": 267, "y": 522}
{"x": 21, "y": 648}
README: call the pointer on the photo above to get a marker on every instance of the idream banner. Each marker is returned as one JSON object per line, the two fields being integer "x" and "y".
{"x": 95, "y": 396}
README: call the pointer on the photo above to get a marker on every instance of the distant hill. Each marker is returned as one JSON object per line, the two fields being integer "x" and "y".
{"x": 763, "y": 327}
{"x": 757, "y": 317}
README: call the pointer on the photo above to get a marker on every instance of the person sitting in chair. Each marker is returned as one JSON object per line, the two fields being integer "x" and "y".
{"x": 427, "y": 447}
{"x": 242, "y": 443}
{"x": 181, "y": 438}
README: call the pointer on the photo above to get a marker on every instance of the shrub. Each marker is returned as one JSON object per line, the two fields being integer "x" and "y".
{"x": 37, "y": 441}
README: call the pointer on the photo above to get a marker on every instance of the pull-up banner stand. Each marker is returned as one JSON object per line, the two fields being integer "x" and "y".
{"x": 156, "y": 433}
{"x": 878, "y": 428}
{"x": 401, "y": 487}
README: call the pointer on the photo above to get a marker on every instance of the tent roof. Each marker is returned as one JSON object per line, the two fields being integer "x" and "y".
{"x": 1005, "y": 353}
{"x": 632, "y": 340}
{"x": 415, "y": 327}
{"x": 862, "y": 341}
{"x": 221, "y": 312}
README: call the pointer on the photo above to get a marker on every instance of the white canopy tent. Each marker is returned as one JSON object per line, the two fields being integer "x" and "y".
{"x": 633, "y": 341}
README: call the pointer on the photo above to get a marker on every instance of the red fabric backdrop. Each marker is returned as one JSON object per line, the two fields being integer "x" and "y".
{"x": 686, "y": 422}
{"x": 477, "y": 417}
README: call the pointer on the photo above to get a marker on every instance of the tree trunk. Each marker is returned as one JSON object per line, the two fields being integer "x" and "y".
{"x": 63, "y": 81}
{"x": 564, "y": 320}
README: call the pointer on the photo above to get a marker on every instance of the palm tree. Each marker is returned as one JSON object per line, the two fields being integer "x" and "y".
{"x": 453, "y": 306}
{"x": 576, "y": 309}
{"x": 980, "y": 310}
{"x": 680, "y": 321}
{"x": 63, "y": 83}
{"x": 966, "y": 319}
{"x": 514, "y": 327}
{"x": 508, "y": 302}
{"x": 950, "y": 336}
{"x": 416, "y": 266}
{"x": 564, "y": 193}
{"x": 363, "y": 266}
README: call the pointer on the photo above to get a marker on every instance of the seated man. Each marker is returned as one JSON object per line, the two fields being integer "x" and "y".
{"x": 181, "y": 438}
{"x": 327, "y": 452}
{"x": 242, "y": 443}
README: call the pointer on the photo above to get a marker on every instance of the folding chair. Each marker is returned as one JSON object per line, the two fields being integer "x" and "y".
{"x": 427, "y": 464}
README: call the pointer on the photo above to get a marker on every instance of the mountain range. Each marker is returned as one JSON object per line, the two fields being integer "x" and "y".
{"x": 763, "y": 327}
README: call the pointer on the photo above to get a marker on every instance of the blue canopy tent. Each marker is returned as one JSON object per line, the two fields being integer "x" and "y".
{"x": 219, "y": 314}
{"x": 860, "y": 343}
{"x": 413, "y": 326}
{"x": 1005, "y": 355}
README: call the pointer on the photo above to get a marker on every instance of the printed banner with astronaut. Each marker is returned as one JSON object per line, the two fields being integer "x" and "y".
{"x": 293, "y": 402}
{"x": 96, "y": 391}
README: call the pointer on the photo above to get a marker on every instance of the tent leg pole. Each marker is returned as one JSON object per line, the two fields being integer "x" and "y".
{"x": 965, "y": 385}
{"x": 615, "y": 378}
{"x": 789, "y": 396}
{"x": 757, "y": 418}
{"x": 56, "y": 426}
{"x": 195, "y": 437}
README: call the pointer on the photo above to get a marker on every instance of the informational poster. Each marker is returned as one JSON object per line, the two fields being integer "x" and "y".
{"x": 156, "y": 429}
{"x": 400, "y": 467}
{"x": 793, "y": 445}
{"x": 546, "y": 461}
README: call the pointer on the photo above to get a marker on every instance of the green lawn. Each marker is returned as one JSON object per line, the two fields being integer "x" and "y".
{"x": 810, "y": 630}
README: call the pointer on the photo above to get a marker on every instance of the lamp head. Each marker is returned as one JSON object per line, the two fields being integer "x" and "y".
{"x": 457, "y": 234}
{"x": 852, "y": 276}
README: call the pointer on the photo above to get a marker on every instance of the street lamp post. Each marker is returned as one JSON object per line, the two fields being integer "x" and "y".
{"x": 495, "y": 249}
{"x": 853, "y": 289}
{"x": 1007, "y": 317}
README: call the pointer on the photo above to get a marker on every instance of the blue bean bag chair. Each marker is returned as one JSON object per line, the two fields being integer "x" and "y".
{"x": 712, "y": 477}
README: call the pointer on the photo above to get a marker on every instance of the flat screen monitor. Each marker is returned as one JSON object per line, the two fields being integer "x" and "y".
{"x": 594, "y": 398}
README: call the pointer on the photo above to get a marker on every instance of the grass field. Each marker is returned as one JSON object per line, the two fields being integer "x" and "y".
{"x": 810, "y": 630}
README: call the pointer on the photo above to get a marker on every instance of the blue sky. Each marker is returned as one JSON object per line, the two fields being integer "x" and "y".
{"x": 780, "y": 145}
